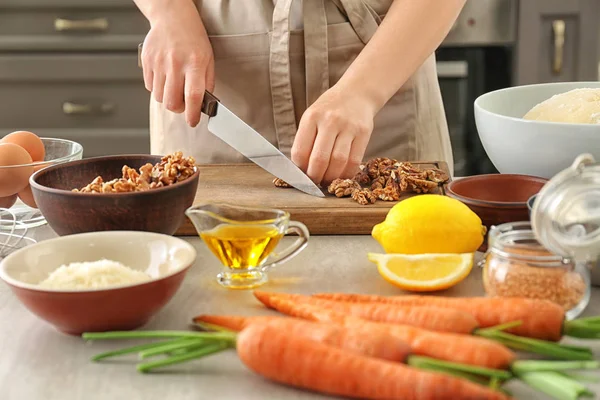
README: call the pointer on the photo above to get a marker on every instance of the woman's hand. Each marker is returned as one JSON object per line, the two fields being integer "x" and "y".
{"x": 177, "y": 59}
{"x": 333, "y": 135}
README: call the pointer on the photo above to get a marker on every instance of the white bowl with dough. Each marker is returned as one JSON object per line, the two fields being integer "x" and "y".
{"x": 519, "y": 146}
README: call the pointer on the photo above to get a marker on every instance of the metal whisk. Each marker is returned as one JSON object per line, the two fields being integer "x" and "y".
{"x": 12, "y": 233}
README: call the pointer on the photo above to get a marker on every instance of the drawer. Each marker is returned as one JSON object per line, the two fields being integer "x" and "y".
{"x": 23, "y": 29}
{"x": 99, "y": 142}
{"x": 72, "y": 91}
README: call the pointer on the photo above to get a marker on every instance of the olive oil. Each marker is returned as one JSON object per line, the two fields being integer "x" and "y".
{"x": 242, "y": 247}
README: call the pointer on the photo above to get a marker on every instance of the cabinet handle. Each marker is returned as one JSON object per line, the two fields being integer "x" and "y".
{"x": 70, "y": 108}
{"x": 69, "y": 25}
{"x": 558, "y": 27}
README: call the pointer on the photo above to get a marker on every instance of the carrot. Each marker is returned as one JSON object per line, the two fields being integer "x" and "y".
{"x": 541, "y": 319}
{"x": 307, "y": 364}
{"x": 301, "y": 358}
{"x": 444, "y": 346}
{"x": 375, "y": 344}
{"x": 431, "y": 318}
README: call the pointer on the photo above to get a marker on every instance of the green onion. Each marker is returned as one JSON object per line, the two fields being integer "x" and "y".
{"x": 542, "y": 347}
{"x": 584, "y": 328}
{"x": 129, "y": 350}
{"x": 207, "y": 350}
{"x": 556, "y": 385}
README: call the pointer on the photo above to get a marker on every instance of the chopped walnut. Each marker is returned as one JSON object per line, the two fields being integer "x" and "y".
{"x": 281, "y": 183}
{"x": 420, "y": 185}
{"x": 391, "y": 191}
{"x": 437, "y": 175}
{"x": 380, "y": 166}
{"x": 387, "y": 179}
{"x": 378, "y": 183}
{"x": 171, "y": 169}
{"x": 362, "y": 177}
{"x": 364, "y": 197}
{"x": 343, "y": 187}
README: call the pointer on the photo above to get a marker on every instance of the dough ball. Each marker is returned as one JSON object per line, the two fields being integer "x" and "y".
{"x": 578, "y": 106}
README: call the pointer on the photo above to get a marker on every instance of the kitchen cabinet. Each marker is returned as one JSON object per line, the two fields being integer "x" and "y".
{"x": 558, "y": 41}
{"x": 68, "y": 69}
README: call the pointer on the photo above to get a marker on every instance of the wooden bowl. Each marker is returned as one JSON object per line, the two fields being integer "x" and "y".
{"x": 160, "y": 210}
{"x": 165, "y": 258}
{"x": 496, "y": 198}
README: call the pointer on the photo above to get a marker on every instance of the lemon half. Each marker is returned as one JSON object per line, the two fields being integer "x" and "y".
{"x": 423, "y": 272}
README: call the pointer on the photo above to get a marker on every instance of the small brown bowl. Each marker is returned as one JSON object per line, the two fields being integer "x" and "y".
{"x": 160, "y": 210}
{"x": 496, "y": 198}
{"x": 166, "y": 259}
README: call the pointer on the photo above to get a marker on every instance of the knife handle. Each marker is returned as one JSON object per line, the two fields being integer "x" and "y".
{"x": 210, "y": 102}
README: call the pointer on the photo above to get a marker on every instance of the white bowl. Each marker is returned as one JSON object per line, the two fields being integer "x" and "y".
{"x": 165, "y": 258}
{"x": 518, "y": 146}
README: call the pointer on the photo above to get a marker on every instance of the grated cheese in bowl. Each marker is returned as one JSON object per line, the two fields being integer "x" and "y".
{"x": 99, "y": 274}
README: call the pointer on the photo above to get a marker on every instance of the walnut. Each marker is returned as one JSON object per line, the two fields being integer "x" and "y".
{"x": 391, "y": 191}
{"x": 281, "y": 183}
{"x": 362, "y": 177}
{"x": 123, "y": 185}
{"x": 364, "y": 197}
{"x": 420, "y": 185}
{"x": 437, "y": 175}
{"x": 378, "y": 183}
{"x": 343, "y": 187}
{"x": 380, "y": 166}
{"x": 408, "y": 168}
{"x": 171, "y": 169}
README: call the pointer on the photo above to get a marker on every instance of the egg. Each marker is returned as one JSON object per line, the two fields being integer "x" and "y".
{"x": 8, "y": 202}
{"x": 26, "y": 195}
{"x": 13, "y": 179}
{"x": 29, "y": 141}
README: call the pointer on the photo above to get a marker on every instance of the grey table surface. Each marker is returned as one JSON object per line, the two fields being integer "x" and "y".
{"x": 37, "y": 362}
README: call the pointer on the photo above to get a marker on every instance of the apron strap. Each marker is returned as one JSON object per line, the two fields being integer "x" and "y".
{"x": 363, "y": 19}
{"x": 280, "y": 76}
{"x": 316, "y": 51}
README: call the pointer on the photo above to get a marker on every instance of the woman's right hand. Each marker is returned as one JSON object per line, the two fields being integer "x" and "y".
{"x": 178, "y": 62}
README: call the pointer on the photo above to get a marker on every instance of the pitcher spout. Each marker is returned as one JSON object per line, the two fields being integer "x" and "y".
{"x": 204, "y": 217}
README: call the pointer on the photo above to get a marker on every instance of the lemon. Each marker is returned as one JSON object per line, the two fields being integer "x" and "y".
{"x": 423, "y": 272}
{"x": 430, "y": 223}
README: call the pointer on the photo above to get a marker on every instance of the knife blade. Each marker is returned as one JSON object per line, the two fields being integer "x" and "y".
{"x": 236, "y": 133}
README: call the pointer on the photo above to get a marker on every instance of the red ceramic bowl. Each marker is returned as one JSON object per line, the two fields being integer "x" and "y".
{"x": 165, "y": 258}
{"x": 496, "y": 198}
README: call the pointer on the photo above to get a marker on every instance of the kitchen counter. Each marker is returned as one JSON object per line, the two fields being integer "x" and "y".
{"x": 41, "y": 363}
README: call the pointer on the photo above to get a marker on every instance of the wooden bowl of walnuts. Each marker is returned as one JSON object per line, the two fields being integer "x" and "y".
{"x": 123, "y": 192}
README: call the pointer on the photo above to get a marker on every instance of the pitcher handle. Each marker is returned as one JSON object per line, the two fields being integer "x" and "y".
{"x": 290, "y": 252}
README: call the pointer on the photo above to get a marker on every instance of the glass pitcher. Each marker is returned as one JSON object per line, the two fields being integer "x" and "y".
{"x": 243, "y": 239}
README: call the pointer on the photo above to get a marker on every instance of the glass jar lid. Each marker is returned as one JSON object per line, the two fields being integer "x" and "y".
{"x": 566, "y": 212}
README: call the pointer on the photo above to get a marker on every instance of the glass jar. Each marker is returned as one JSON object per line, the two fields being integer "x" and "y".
{"x": 517, "y": 265}
{"x": 566, "y": 213}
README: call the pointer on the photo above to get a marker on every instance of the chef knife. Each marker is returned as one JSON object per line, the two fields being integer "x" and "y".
{"x": 232, "y": 130}
{"x": 236, "y": 133}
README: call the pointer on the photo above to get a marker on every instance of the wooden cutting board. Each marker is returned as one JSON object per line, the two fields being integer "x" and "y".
{"x": 250, "y": 185}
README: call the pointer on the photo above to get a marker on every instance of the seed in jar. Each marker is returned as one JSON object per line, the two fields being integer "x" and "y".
{"x": 515, "y": 278}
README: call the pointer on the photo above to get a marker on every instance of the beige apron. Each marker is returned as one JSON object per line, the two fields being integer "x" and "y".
{"x": 273, "y": 58}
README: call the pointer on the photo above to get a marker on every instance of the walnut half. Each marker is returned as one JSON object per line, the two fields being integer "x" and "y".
{"x": 278, "y": 182}
{"x": 343, "y": 187}
{"x": 364, "y": 197}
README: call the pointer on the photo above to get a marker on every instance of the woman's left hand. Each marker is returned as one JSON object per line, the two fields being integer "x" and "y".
{"x": 333, "y": 135}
